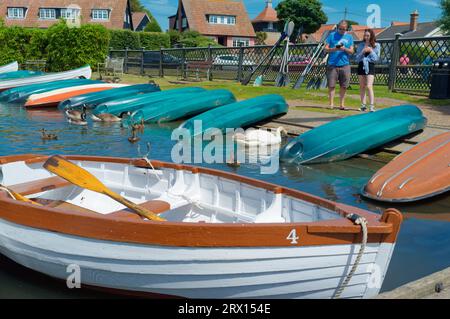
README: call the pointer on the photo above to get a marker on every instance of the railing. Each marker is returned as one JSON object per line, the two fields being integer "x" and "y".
{"x": 231, "y": 63}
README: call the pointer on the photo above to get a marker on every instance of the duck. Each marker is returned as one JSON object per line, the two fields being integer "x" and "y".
{"x": 105, "y": 117}
{"x": 260, "y": 137}
{"x": 233, "y": 162}
{"x": 76, "y": 115}
{"x": 134, "y": 138}
{"x": 47, "y": 136}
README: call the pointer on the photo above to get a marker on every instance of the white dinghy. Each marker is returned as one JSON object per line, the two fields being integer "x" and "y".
{"x": 220, "y": 235}
{"x": 83, "y": 72}
{"x": 11, "y": 67}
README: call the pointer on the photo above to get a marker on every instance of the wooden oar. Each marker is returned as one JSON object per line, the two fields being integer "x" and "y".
{"x": 82, "y": 178}
{"x": 18, "y": 196}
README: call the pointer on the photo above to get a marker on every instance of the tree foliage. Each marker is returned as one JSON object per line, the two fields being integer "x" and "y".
{"x": 306, "y": 13}
{"x": 153, "y": 26}
{"x": 445, "y": 17}
{"x": 261, "y": 38}
{"x": 189, "y": 39}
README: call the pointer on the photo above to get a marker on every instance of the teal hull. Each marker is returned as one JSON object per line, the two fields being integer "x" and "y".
{"x": 21, "y": 94}
{"x": 93, "y": 99}
{"x": 241, "y": 114}
{"x": 132, "y": 104}
{"x": 183, "y": 107}
{"x": 347, "y": 137}
{"x": 19, "y": 75}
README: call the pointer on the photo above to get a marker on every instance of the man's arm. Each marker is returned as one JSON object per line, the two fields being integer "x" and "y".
{"x": 350, "y": 50}
{"x": 329, "y": 50}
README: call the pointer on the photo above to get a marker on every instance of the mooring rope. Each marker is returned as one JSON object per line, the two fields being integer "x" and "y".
{"x": 357, "y": 220}
{"x": 8, "y": 191}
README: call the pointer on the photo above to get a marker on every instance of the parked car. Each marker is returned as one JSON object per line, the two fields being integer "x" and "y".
{"x": 231, "y": 62}
{"x": 152, "y": 57}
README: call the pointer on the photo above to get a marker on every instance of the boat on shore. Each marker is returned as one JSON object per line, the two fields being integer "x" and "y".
{"x": 184, "y": 106}
{"x": 83, "y": 72}
{"x": 19, "y": 75}
{"x": 353, "y": 135}
{"x": 53, "y": 98}
{"x": 131, "y": 104}
{"x": 220, "y": 235}
{"x": 420, "y": 173}
{"x": 11, "y": 67}
{"x": 91, "y": 100}
{"x": 239, "y": 114}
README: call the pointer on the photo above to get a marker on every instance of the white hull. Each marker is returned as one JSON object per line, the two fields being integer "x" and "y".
{"x": 297, "y": 272}
{"x": 12, "y": 67}
{"x": 85, "y": 72}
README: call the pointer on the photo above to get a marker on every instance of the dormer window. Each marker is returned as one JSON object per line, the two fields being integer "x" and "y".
{"x": 100, "y": 14}
{"x": 47, "y": 14}
{"x": 16, "y": 13}
{"x": 70, "y": 13}
{"x": 217, "y": 19}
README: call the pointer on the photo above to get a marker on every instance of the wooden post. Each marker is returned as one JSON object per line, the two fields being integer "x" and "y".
{"x": 126, "y": 60}
{"x": 209, "y": 61}
{"x": 183, "y": 62}
{"x": 161, "y": 63}
{"x": 394, "y": 62}
{"x": 142, "y": 61}
{"x": 240, "y": 62}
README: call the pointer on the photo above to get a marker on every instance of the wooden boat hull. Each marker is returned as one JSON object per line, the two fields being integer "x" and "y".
{"x": 132, "y": 104}
{"x": 419, "y": 173}
{"x": 11, "y": 67}
{"x": 184, "y": 106}
{"x": 230, "y": 258}
{"x": 53, "y": 98}
{"x": 240, "y": 114}
{"x": 350, "y": 136}
{"x": 83, "y": 72}
{"x": 91, "y": 100}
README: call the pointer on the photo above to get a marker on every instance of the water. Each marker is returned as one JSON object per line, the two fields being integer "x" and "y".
{"x": 423, "y": 246}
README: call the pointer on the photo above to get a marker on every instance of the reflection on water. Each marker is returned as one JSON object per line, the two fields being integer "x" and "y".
{"x": 423, "y": 246}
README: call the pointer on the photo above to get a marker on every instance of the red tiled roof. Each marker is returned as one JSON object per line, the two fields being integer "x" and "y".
{"x": 116, "y": 21}
{"x": 269, "y": 14}
{"x": 357, "y": 31}
{"x": 197, "y": 10}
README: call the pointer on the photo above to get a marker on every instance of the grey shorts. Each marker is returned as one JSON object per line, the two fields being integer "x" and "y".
{"x": 341, "y": 74}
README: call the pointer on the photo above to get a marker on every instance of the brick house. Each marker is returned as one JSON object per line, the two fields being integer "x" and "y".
{"x": 140, "y": 20}
{"x": 225, "y": 21}
{"x": 113, "y": 14}
{"x": 267, "y": 21}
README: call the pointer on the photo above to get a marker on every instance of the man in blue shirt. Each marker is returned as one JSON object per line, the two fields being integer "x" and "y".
{"x": 339, "y": 46}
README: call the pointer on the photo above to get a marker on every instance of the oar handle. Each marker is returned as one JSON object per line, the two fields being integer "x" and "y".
{"x": 138, "y": 209}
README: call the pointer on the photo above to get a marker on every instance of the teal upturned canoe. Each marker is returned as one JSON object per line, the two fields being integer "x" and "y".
{"x": 183, "y": 107}
{"x": 93, "y": 99}
{"x": 350, "y": 136}
{"x": 21, "y": 93}
{"x": 241, "y": 114}
{"x": 19, "y": 75}
{"x": 132, "y": 104}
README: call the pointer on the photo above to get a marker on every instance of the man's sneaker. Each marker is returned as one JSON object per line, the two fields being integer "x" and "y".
{"x": 372, "y": 108}
{"x": 363, "y": 108}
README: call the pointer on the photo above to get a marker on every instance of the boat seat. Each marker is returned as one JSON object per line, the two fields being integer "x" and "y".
{"x": 39, "y": 186}
{"x": 155, "y": 206}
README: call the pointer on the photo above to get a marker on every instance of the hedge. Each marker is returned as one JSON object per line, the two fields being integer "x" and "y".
{"x": 20, "y": 44}
{"x": 122, "y": 39}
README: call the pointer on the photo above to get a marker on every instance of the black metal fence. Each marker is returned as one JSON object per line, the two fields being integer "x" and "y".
{"x": 237, "y": 63}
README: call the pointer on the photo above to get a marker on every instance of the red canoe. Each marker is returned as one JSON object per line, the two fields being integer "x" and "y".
{"x": 421, "y": 172}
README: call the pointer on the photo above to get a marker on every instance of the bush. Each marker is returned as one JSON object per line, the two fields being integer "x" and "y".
{"x": 153, "y": 26}
{"x": 190, "y": 39}
{"x": 70, "y": 48}
{"x": 154, "y": 40}
{"x": 121, "y": 39}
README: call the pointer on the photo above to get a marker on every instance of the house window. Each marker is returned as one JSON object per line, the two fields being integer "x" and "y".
{"x": 100, "y": 14}
{"x": 215, "y": 19}
{"x": 70, "y": 13}
{"x": 16, "y": 13}
{"x": 47, "y": 14}
{"x": 184, "y": 23}
{"x": 241, "y": 41}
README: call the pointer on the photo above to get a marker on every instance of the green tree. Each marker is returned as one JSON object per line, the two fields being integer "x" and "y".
{"x": 261, "y": 38}
{"x": 153, "y": 26}
{"x": 307, "y": 13}
{"x": 445, "y": 17}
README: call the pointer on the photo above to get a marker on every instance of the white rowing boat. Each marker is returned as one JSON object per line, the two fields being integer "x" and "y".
{"x": 83, "y": 72}
{"x": 225, "y": 236}
{"x": 11, "y": 67}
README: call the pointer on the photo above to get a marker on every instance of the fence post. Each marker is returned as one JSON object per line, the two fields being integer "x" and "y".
{"x": 209, "y": 61}
{"x": 394, "y": 60}
{"x": 183, "y": 62}
{"x": 161, "y": 63}
{"x": 142, "y": 61}
{"x": 240, "y": 62}
{"x": 126, "y": 60}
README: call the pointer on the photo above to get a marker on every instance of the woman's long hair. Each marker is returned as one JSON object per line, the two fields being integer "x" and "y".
{"x": 373, "y": 38}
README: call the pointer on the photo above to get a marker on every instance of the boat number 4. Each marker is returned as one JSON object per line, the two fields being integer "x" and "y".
{"x": 293, "y": 237}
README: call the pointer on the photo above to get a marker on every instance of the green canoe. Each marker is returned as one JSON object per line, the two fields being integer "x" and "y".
{"x": 183, "y": 107}
{"x": 19, "y": 75}
{"x": 241, "y": 114}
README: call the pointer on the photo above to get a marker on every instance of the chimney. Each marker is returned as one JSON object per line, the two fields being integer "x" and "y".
{"x": 414, "y": 21}
{"x": 268, "y": 3}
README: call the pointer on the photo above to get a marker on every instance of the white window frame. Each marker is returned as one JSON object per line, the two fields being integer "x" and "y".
{"x": 13, "y": 13}
{"x": 237, "y": 41}
{"x": 47, "y": 14}
{"x": 70, "y": 13}
{"x": 99, "y": 14}
{"x": 218, "y": 19}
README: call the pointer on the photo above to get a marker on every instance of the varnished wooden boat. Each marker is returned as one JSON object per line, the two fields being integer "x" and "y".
{"x": 225, "y": 236}
{"x": 419, "y": 173}
{"x": 53, "y": 98}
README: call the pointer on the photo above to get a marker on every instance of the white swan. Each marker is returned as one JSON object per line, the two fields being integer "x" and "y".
{"x": 260, "y": 137}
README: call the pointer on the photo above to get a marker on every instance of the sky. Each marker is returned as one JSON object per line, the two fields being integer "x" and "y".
{"x": 391, "y": 10}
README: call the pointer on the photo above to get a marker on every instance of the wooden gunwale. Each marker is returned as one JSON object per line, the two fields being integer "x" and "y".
{"x": 123, "y": 229}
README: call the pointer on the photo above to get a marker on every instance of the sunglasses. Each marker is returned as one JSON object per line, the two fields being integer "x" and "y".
{"x": 342, "y": 29}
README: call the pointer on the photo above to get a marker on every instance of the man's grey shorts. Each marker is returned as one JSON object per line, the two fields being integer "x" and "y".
{"x": 341, "y": 74}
